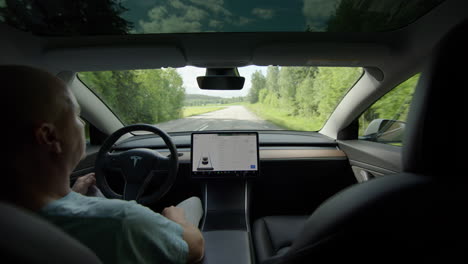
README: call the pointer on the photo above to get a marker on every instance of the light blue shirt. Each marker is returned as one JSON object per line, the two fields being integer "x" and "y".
{"x": 118, "y": 231}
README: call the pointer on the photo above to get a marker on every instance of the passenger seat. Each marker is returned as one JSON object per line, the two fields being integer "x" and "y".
{"x": 274, "y": 235}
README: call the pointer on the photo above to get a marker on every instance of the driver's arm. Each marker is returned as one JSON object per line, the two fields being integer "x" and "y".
{"x": 191, "y": 235}
{"x": 86, "y": 185}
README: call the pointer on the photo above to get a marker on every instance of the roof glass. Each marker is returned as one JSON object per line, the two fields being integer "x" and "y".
{"x": 116, "y": 17}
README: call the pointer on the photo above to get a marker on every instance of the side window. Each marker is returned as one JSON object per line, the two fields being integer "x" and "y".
{"x": 86, "y": 130}
{"x": 93, "y": 136}
{"x": 385, "y": 120}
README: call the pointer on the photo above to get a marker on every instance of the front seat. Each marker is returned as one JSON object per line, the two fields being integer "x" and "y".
{"x": 418, "y": 215}
{"x": 28, "y": 239}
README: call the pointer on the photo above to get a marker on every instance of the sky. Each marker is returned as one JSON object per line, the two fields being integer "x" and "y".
{"x": 189, "y": 75}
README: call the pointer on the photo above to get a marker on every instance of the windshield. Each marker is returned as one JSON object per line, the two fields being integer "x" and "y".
{"x": 273, "y": 97}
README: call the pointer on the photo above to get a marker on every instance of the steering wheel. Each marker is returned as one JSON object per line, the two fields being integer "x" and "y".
{"x": 138, "y": 166}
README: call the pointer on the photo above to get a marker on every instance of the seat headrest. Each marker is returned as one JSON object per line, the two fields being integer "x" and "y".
{"x": 26, "y": 238}
{"x": 436, "y": 139}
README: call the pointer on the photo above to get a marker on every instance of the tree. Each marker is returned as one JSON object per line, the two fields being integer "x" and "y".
{"x": 258, "y": 83}
{"x": 289, "y": 80}
{"x": 175, "y": 94}
{"x": 272, "y": 79}
{"x": 330, "y": 86}
{"x": 139, "y": 96}
{"x": 304, "y": 94}
{"x": 128, "y": 98}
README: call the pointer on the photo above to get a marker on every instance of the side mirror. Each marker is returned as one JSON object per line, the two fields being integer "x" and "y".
{"x": 385, "y": 131}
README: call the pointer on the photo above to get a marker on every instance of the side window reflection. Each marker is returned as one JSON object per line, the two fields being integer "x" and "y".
{"x": 385, "y": 120}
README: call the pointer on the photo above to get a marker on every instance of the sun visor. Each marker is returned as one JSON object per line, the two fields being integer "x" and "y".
{"x": 114, "y": 58}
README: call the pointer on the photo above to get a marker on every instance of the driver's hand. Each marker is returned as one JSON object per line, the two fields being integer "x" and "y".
{"x": 83, "y": 183}
{"x": 175, "y": 214}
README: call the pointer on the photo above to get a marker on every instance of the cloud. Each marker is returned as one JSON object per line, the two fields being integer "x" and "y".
{"x": 215, "y": 6}
{"x": 263, "y": 13}
{"x": 171, "y": 25}
{"x": 241, "y": 21}
{"x": 318, "y": 12}
{"x": 157, "y": 12}
{"x": 173, "y": 18}
{"x": 215, "y": 23}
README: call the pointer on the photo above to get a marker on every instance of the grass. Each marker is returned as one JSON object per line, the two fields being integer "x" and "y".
{"x": 283, "y": 119}
{"x": 198, "y": 110}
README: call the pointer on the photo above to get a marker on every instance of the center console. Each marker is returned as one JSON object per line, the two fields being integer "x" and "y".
{"x": 225, "y": 225}
{"x": 225, "y": 162}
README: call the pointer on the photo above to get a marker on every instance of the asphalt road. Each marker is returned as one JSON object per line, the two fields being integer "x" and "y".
{"x": 230, "y": 118}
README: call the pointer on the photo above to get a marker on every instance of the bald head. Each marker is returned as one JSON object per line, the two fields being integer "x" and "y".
{"x": 33, "y": 95}
{"x": 44, "y": 135}
{"x": 35, "y": 109}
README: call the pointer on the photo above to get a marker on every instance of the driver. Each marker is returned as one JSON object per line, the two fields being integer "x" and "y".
{"x": 47, "y": 143}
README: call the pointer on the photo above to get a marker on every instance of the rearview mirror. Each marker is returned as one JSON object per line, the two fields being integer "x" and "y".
{"x": 385, "y": 131}
{"x": 221, "y": 79}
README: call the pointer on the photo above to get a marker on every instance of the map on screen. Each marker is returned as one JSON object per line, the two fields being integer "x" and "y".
{"x": 224, "y": 154}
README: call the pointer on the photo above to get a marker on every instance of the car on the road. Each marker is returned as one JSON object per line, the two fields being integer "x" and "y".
{"x": 357, "y": 105}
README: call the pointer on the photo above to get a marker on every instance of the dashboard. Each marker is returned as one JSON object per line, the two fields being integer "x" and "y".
{"x": 274, "y": 148}
{"x": 273, "y": 145}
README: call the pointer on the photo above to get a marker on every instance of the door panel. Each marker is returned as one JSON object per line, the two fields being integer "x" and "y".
{"x": 371, "y": 159}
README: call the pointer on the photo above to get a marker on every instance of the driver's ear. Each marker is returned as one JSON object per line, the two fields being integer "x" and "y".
{"x": 46, "y": 136}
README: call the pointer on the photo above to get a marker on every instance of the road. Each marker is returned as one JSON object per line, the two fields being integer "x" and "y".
{"x": 231, "y": 118}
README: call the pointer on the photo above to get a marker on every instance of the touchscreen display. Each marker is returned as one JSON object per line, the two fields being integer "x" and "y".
{"x": 224, "y": 154}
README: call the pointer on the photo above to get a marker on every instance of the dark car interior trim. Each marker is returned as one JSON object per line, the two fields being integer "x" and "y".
{"x": 386, "y": 157}
{"x": 226, "y": 218}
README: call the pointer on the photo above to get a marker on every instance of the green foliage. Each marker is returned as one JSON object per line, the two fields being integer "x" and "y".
{"x": 272, "y": 79}
{"x": 258, "y": 82}
{"x": 139, "y": 96}
{"x": 262, "y": 95}
{"x": 198, "y": 110}
{"x": 306, "y": 96}
{"x": 204, "y": 100}
{"x": 329, "y": 87}
{"x": 282, "y": 118}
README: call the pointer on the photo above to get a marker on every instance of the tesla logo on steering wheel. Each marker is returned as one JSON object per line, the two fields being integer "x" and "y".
{"x": 135, "y": 160}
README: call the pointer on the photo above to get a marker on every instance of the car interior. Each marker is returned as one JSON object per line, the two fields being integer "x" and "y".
{"x": 307, "y": 196}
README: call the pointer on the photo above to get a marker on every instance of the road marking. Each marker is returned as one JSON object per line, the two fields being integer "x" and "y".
{"x": 202, "y": 127}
